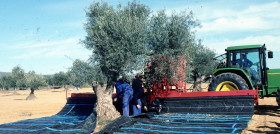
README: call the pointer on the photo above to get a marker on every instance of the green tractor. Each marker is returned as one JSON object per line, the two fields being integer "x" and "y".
{"x": 244, "y": 67}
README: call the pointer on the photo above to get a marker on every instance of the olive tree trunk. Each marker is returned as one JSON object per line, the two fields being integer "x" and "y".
{"x": 105, "y": 110}
{"x": 197, "y": 84}
{"x": 31, "y": 96}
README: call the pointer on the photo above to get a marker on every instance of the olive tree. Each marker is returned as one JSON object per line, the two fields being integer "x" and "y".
{"x": 1, "y": 84}
{"x": 201, "y": 65}
{"x": 117, "y": 37}
{"x": 34, "y": 81}
{"x": 50, "y": 80}
{"x": 19, "y": 77}
{"x": 7, "y": 82}
{"x": 81, "y": 73}
{"x": 61, "y": 79}
{"x": 171, "y": 43}
{"x": 98, "y": 76}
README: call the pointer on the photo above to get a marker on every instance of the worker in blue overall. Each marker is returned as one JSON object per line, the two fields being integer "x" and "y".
{"x": 139, "y": 96}
{"x": 126, "y": 91}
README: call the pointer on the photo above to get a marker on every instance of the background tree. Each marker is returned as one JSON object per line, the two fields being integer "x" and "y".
{"x": 61, "y": 79}
{"x": 1, "y": 84}
{"x": 171, "y": 41}
{"x": 19, "y": 77}
{"x": 50, "y": 80}
{"x": 34, "y": 82}
{"x": 99, "y": 75}
{"x": 202, "y": 64}
{"x": 7, "y": 82}
{"x": 81, "y": 73}
{"x": 96, "y": 76}
{"x": 117, "y": 37}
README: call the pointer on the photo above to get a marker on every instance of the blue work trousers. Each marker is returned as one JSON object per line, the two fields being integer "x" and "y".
{"x": 127, "y": 97}
{"x": 136, "y": 110}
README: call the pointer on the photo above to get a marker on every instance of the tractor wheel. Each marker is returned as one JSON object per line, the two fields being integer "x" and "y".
{"x": 278, "y": 96}
{"x": 228, "y": 82}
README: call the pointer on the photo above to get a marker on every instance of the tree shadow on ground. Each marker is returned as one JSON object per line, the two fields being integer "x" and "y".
{"x": 56, "y": 91}
{"x": 8, "y": 95}
{"x": 273, "y": 130}
{"x": 19, "y": 99}
{"x": 269, "y": 110}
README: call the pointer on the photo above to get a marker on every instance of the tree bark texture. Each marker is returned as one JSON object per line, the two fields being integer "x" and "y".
{"x": 197, "y": 85}
{"x": 94, "y": 85}
{"x": 32, "y": 91}
{"x": 31, "y": 96}
{"x": 104, "y": 108}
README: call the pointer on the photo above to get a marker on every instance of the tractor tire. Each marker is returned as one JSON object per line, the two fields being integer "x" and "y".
{"x": 228, "y": 82}
{"x": 278, "y": 96}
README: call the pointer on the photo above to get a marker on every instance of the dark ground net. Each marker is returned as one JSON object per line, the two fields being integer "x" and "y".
{"x": 77, "y": 116}
{"x": 179, "y": 123}
{"x": 195, "y": 115}
{"x": 198, "y": 115}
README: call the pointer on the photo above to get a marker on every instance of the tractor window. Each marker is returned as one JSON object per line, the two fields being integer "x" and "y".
{"x": 234, "y": 56}
{"x": 249, "y": 60}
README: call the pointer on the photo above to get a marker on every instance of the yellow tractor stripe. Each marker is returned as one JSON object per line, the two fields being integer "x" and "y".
{"x": 273, "y": 73}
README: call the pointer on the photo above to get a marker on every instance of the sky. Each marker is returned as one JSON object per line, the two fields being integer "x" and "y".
{"x": 45, "y": 35}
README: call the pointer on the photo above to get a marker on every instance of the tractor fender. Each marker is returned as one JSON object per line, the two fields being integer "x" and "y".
{"x": 237, "y": 71}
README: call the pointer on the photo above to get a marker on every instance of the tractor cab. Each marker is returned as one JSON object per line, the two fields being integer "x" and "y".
{"x": 251, "y": 59}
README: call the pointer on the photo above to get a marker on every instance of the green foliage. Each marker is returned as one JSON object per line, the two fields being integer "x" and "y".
{"x": 117, "y": 37}
{"x": 172, "y": 35}
{"x": 171, "y": 41}
{"x": 202, "y": 63}
{"x": 19, "y": 77}
{"x": 80, "y": 73}
{"x": 35, "y": 81}
{"x": 125, "y": 38}
{"x": 98, "y": 75}
{"x": 50, "y": 80}
{"x": 83, "y": 73}
{"x": 61, "y": 79}
{"x": 7, "y": 82}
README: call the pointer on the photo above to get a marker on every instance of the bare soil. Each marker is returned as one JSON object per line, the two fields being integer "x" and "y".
{"x": 50, "y": 101}
{"x": 266, "y": 118}
{"x": 47, "y": 103}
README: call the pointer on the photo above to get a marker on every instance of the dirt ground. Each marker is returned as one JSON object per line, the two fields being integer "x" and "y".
{"x": 50, "y": 101}
{"x": 47, "y": 103}
{"x": 266, "y": 118}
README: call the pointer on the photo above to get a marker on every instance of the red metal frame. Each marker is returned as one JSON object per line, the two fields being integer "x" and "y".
{"x": 211, "y": 93}
{"x": 174, "y": 94}
{"x": 83, "y": 95}
{"x": 86, "y": 95}
{"x": 66, "y": 94}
